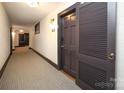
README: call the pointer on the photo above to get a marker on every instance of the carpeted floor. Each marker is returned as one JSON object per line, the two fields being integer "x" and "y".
{"x": 28, "y": 71}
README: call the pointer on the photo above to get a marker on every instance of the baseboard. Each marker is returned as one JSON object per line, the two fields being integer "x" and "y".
{"x": 48, "y": 60}
{"x": 4, "y": 66}
{"x": 17, "y": 46}
{"x": 30, "y": 48}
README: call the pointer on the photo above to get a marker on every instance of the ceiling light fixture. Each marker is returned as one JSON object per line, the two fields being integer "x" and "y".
{"x": 21, "y": 30}
{"x": 33, "y": 3}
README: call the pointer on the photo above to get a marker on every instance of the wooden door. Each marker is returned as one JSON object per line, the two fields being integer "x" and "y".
{"x": 68, "y": 45}
{"x": 96, "y": 45}
{"x": 26, "y": 37}
{"x": 21, "y": 40}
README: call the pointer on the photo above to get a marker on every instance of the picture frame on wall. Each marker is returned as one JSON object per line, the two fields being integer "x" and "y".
{"x": 37, "y": 28}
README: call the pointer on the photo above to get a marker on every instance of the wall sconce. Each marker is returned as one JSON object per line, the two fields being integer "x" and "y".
{"x": 21, "y": 30}
{"x": 52, "y": 25}
{"x": 13, "y": 34}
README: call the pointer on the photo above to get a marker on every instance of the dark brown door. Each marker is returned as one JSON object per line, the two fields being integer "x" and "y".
{"x": 68, "y": 43}
{"x": 26, "y": 38}
{"x": 21, "y": 40}
{"x": 96, "y": 45}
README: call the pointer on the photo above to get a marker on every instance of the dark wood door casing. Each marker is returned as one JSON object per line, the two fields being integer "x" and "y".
{"x": 11, "y": 40}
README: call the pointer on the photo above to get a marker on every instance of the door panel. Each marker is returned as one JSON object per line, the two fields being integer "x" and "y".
{"x": 68, "y": 39}
{"x": 21, "y": 40}
{"x": 73, "y": 62}
{"x": 66, "y": 60}
{"x": 26, "y": 36}
{"x": 95, "y": 70}
{"x": 72, "y": 44}
{"x": 24, "y": 39}
{"x": 93, "y": 41}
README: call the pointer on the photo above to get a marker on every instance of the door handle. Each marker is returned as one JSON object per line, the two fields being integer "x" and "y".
{"x": 111, "y": 56}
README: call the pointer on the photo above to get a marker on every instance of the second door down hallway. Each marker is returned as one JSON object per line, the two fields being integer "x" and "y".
{"x": 61, "y": 46}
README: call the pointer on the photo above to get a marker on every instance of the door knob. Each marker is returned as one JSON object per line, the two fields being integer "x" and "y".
{"x": 111, "y": 56}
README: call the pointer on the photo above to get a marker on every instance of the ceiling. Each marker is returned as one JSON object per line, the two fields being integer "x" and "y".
{"x": 20, "y": 13}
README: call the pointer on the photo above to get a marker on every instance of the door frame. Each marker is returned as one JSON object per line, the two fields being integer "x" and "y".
{"x": 60, "y": 15}
{"x": 111, "y": 26}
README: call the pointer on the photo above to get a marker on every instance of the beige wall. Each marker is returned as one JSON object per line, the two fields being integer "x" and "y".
{"x": 46, "y": 41}
{"x": 27, "y": 29}
{"x": 120, "y": 47}
{"x": 4, "y": 36}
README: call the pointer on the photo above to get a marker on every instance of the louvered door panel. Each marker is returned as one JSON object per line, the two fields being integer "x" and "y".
{"x": 93, "y": 31}
{"x": 95, "y": 68}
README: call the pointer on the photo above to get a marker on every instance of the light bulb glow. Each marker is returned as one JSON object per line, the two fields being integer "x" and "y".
{"x": 21, "y": 30}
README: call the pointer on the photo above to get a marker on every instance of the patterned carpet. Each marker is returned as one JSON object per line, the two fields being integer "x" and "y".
{"x": 28, "y": 71}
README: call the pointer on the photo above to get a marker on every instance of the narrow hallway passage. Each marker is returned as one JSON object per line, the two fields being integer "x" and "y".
{"x": 27, "y": 70}
{"x": 82, "y": 39}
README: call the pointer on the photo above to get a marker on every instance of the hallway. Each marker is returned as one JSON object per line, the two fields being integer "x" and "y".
{"x": 27, "y": 70}
{"x": 52, "y": 41}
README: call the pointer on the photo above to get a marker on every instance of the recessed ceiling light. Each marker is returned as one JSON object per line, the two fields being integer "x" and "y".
{"x": 32, "y": 3}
